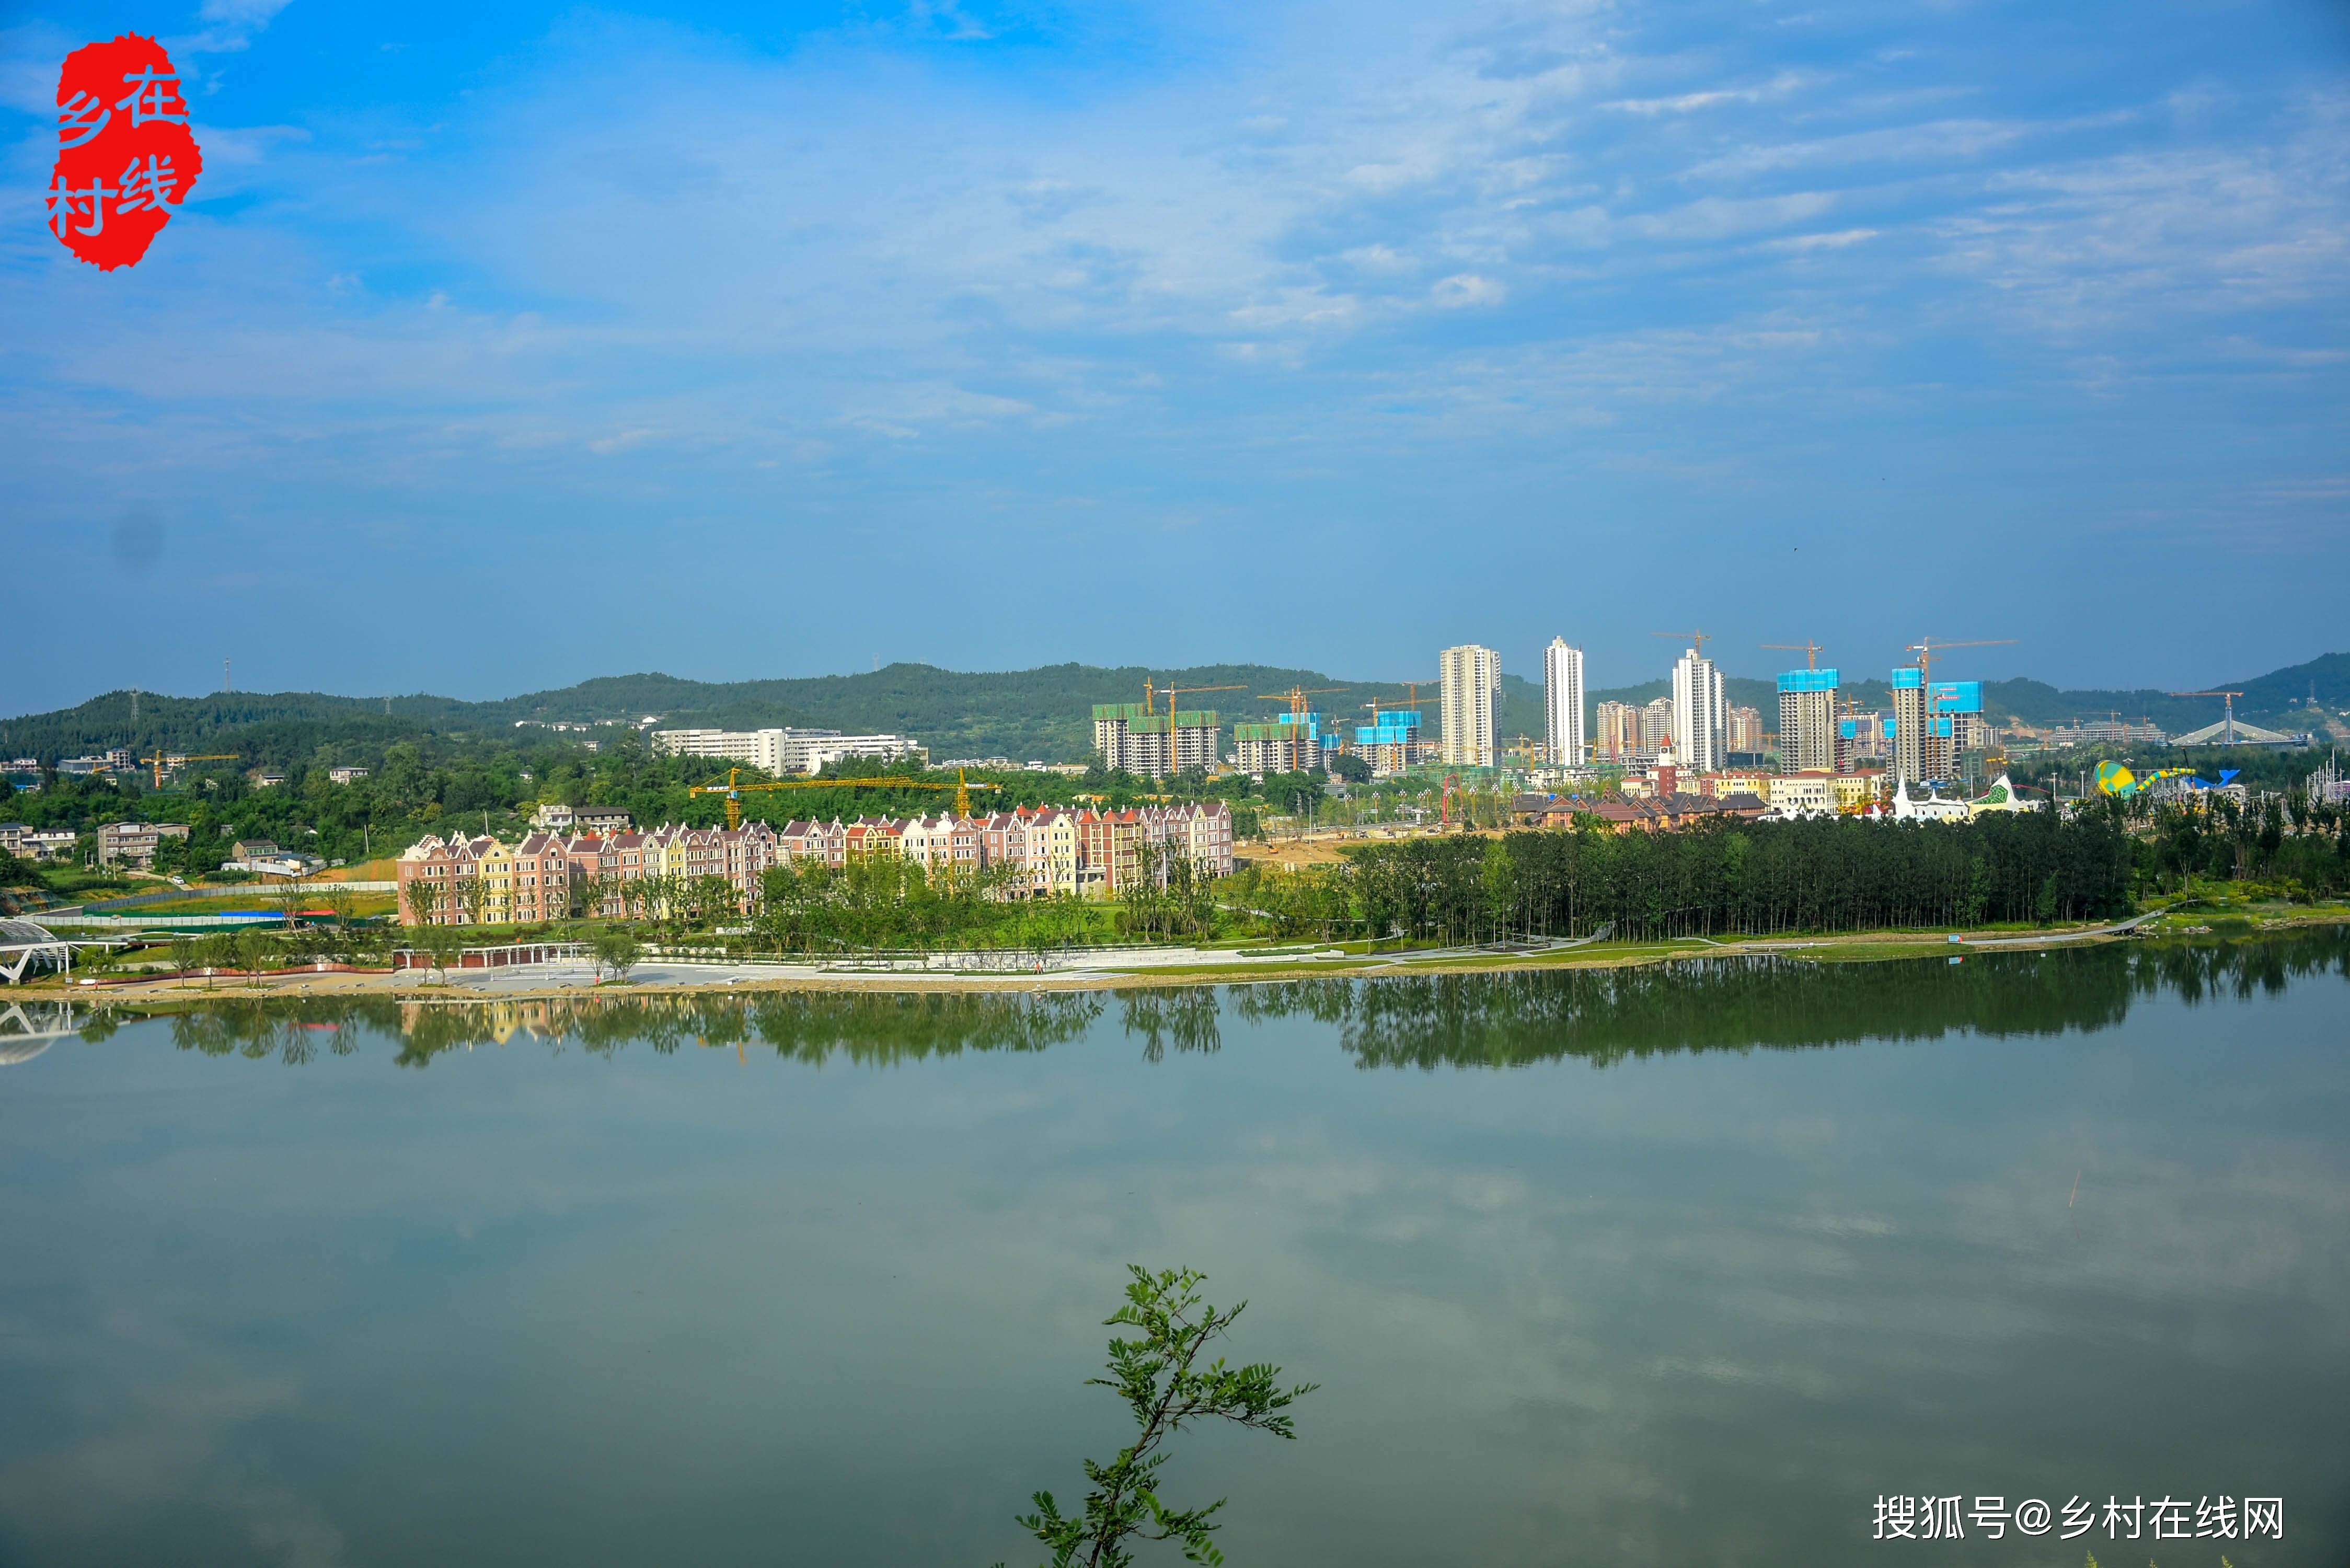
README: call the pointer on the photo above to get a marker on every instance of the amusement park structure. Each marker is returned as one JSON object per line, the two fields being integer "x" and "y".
{"x": 2116, "y": 780}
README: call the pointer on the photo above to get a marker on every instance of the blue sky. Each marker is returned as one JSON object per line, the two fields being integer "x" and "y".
{"x": 504, "y": 345}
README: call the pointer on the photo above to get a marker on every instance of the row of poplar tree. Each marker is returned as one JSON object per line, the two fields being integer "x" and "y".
{"x": 1743, "y": 879}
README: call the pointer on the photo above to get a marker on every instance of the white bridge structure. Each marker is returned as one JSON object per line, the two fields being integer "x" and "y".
{"x": 26, "y": 949}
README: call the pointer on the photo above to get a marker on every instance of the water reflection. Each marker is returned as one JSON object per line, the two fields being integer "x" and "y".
{"x": 1605, "y": 1016}
{"x": 867, "y": 1029}
{"x": 579, "y": 1301}
{"x": 1602, "y": 1016}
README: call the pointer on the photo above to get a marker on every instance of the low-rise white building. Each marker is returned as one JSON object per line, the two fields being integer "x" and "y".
{"x": 599, "y": 820}
{"x": 49, "y": 843}
{"x": 785, "y": 750}
{"x": 1801, "y": 794}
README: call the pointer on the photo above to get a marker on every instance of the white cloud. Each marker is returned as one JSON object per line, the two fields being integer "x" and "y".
{"x": 29, "y": 57}
{"x": 230, "y": 24}
{"x": 245, "y": 144}
{"x": 1685, "y": 103}
{"x": 1465, "y": 289}
{"x": 1836, "y": 240}
{"x": 1378, "y": 259}
{"x": 1681, "y": 105}
{"x": 1298, "y": 308}
{"x": 2242, "y": 348}
{"x": 1720, "y": 218}
{"x": 863, "y": 246}
{"x": 1905, "y": 147}
{"x": 2094, "y": 242}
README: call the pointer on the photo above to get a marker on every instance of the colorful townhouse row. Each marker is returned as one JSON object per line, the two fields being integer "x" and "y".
{"x": 1053, "y": 852}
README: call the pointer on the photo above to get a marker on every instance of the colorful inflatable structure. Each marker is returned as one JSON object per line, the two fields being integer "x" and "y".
{"x": 2114, "y": 779}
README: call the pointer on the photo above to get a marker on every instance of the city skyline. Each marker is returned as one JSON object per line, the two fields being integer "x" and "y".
{"x": 1478, "y": 301}
{"x": 1635, "y": 662}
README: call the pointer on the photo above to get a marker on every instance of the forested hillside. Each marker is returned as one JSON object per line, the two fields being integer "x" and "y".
{"x": 1046, "y": 714}
{"x": 1042, "y": 714}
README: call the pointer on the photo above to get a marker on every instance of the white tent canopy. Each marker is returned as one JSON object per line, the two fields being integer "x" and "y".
{"x": 2245, "y": 735}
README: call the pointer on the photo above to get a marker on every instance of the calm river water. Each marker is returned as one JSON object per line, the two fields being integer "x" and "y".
{"x": 1667, "y": 1267}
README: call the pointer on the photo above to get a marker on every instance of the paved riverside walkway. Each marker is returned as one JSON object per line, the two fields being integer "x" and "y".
{"x": 2117, "y": 928}
{"x": 1085, "y": 968}
{"x": 942, "y": 972}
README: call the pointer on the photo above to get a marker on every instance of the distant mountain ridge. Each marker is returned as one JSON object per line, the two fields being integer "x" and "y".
{"x": 1029, "y": 713}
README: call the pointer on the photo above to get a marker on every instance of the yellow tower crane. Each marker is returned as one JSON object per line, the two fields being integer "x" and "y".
{"x": 1924, "y": 648}
{"x": 735, "y": 789}
{"x": 158, "y": 761}
{"x": 1810, "y": 651}
{"x": 1295, "y": 696}
{"x": 1410, "y": 704}
{"x": 1173, "y": 693}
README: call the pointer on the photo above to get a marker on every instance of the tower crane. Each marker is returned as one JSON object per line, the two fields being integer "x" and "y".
{"x": 2230, "y": 698}
{"x": 734, "y": 790}
{"x": 1295, "y": 696}
{"x": 1696, "y": 639}
{"x": 1173, "y": 693}
{"x": 158, "y": 761}
{"x": 1409, "y": 706}
{"x": 1412, "y": 704}
{"x": 1810, "y": 651}
{"x": 1925, "y": 646}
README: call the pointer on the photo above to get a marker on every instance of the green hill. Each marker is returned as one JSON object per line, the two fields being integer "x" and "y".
{"x": 1027, "y": 714}
{"x": 1045, "y": 713}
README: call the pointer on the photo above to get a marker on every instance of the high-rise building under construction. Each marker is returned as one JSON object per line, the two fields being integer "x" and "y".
{"x": 1808, "y": 722}
{"x": 1390, "y": 743}
{"x": 1154, "y": 745}
{"x": 1935, "y": 723}
{"x": 1285, "y": 743}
